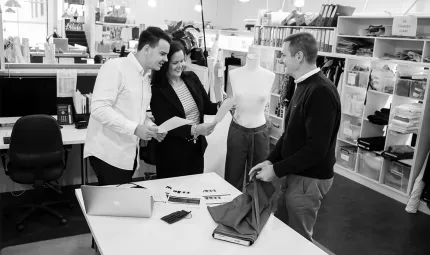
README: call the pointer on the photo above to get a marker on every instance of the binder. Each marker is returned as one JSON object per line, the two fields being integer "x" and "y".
{"x": 332, "y": 15}
{"x": 327, "y": 15}
{"x": 318, "y": 21}
{"x": 327, "y": 41}
{"x": 324, "y": 15}
{"x": 340, "y": 10}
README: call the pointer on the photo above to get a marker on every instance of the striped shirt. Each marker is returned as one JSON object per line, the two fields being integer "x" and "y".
{"x": 187, "y": 100}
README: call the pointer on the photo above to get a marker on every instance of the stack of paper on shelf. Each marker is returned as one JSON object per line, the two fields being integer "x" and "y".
{"x": 406, "y": 118}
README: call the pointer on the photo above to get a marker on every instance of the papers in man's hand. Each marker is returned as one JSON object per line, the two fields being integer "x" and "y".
{"x": 223, "y": 110}
{"x": 172, "y": 124}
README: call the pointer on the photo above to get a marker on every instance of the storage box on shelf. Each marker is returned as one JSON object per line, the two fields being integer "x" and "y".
{"x": 350, "y": 129}
{"x": 347, "y": 156}
{"x": 397, "y": 175}
{"x": 369, "y": 164}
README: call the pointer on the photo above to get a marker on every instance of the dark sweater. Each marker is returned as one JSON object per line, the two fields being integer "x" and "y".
{"x": 307, "y": 146}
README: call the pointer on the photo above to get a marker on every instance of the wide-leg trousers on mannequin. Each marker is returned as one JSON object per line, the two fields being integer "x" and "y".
{"x": 246, "y": 147}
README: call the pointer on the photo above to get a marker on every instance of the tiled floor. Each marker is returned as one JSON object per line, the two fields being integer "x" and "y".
{"x": 73, "y": 245}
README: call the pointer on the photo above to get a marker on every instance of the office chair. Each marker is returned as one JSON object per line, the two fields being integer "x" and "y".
{"x": 36, "y": 156}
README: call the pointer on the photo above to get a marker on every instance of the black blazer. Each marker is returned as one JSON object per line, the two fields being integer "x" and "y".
{"x": 165, "y": 104}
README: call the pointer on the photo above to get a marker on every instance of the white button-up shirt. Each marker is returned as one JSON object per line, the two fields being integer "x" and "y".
{"x": 121, "y": 96}
{"x": 306, "y": 75}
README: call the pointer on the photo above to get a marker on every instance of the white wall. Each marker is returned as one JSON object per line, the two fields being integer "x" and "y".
{"x": 217, "y": 11}
{"x": 249, "y": 10}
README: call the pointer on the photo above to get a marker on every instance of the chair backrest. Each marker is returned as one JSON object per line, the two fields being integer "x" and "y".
{"x": 36, "y": 141}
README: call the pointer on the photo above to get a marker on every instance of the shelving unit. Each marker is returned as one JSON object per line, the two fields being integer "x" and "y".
{"x": 117, "y": 24}
{"x": 387, "y": 178}
{"x": 392, "y": 178}
{"x": 1, "y": 42}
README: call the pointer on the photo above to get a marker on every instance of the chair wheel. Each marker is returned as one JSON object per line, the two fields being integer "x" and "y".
{"x": 19, "y": 227}
{"x": 63, "y": 221}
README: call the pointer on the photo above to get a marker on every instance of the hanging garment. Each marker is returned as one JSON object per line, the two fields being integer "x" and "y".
{"x": 417, "y": 190}
{"x": 202, "y": 72}
{"x": 246, "y": 147}
{"x": 66, "y": 82}
{"x": 244, "y": 217}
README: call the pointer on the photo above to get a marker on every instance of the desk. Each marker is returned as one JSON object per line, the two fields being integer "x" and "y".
{"x": 122, "y": 235}
{"x": 70, "y": 135}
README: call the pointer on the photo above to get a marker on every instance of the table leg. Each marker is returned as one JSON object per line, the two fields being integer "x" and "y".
{"x": 86, "y": 171}
{"x": 83, "y": 181}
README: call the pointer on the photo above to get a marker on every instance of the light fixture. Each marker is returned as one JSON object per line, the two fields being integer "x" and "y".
{"x": 152, "y": 3}
{"x": 12, "y": 3}
{"x": 66, "y": 15}
{"x": 299, "y": 3}
{"x": 198, "y": 7}
{"x": 10, "y": 10}
{"x": 244, "y": 1}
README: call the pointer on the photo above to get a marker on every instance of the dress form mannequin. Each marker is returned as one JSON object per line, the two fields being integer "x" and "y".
{"x": 251, "y": 85}
{"x": 248, "y": 136}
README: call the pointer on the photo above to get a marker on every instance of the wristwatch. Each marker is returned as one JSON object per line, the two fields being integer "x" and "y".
{"x": 194, "y": 133}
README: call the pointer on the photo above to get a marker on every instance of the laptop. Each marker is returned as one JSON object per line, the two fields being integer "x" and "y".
{"x": 117, "y": 201}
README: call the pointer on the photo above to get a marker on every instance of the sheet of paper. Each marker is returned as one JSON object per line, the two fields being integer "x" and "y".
{"x": 223, "y": 110}
{"x": 172, "y": 124}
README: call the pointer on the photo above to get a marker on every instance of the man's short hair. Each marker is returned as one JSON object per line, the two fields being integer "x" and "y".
{"x": 305, "y": 43}
{"x": 152, "y": 36}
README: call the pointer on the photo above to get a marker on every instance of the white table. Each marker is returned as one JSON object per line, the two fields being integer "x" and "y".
{"x": 122, "y": 235}
{"x": 70, "y": 136}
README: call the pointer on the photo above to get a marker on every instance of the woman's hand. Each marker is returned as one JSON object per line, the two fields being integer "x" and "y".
{"x": 205, "y": 128}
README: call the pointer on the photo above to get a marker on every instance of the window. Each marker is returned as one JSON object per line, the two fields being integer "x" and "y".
{"x": 30, "y": 21}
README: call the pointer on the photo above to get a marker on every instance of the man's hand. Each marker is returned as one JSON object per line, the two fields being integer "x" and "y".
{"x": 146, "y": 132}
{"x": 264, "y": 171}
{"x": 205, "y": 128}
{"x": 160, "y": 137}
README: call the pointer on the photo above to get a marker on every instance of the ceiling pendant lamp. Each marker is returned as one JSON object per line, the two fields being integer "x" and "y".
{"x": 10, "y": 10}
{"x": 198, "y": 7}
{"x": 299, "y": 3}
{"x": 12, "y": 3}
{"x": 152, "y": 3}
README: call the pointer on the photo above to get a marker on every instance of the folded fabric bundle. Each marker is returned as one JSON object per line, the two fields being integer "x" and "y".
{"x": 380, "y": 117}
{"x": 366, "y": 51}
{"x": 406, "y": 118}
{"x": 372, "y": 143}
{"x": 398, "y": 152}
{"x": 242, "y": 219}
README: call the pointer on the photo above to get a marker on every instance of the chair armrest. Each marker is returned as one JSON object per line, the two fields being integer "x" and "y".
{"x": 67, "y": 150}
{"x": 3, "y": 154}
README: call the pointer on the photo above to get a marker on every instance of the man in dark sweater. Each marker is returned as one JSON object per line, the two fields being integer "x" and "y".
{"x": 305, "y": 153}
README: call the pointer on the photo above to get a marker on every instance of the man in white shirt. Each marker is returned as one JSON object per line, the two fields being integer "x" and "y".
{"x": 118, "y": 121}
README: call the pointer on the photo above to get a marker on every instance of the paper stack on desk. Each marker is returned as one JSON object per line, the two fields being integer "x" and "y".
{"x": 82, "y": 103}
{"x": 216, "y": 196}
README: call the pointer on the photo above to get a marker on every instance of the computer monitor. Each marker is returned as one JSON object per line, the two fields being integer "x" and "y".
{"x": 21, "y": 96}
